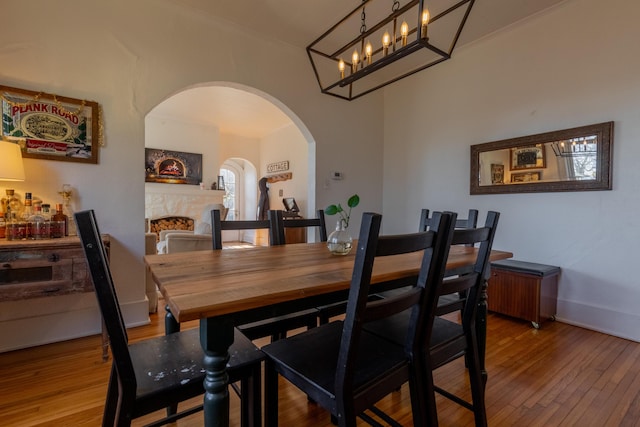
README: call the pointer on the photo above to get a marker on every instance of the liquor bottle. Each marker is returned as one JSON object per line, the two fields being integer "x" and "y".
{"x": 62, "y": 222}
{"x": 14, "y": 205}
{"x": 27, "y": 211}
{"x": 3, "y": 223}
{"x": 16, "y": 229}
{"x": 37, "y": 225}
{"x": 46, "y": 211}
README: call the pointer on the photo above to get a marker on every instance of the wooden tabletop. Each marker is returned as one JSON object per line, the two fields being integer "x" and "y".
{"x": 212, "y": 283}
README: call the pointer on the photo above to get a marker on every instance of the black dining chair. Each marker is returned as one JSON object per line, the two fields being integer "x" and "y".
{"x": 279, "y": 225}
{"x": 157, "y": 373}
{"x": 340, "y": 365}
{"x": 448, "y": 340}
{"x": 470, "y": 222}
{"x": 275, "y": 327}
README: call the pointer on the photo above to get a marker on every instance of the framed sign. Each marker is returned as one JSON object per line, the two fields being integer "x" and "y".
{"x": 497, "y": 174}
{"x": 51, "y": 127}
{"x": 278, "y": 166}
{"x": 525, "y": 177}
{"x": 172, "y": 167}
{"x": 530, "y": 157}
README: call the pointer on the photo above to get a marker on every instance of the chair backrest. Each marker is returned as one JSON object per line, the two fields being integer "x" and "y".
{"x": 470, "y": 222}
{"x": 434, "y": 244}
{"x": 279, "y": 224}
{"x": 469, "y": 285}
{"x": 217, "y": 225}
{"x": 96, "y": 257}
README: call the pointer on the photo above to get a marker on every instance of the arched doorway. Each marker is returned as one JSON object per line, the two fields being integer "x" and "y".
{"x": 234, "y": 126}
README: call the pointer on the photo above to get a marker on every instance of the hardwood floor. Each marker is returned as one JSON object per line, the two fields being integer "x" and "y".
{"x": 560, "y": 375}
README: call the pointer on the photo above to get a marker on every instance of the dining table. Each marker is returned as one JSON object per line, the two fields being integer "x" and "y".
{"x": 230, "y": 287}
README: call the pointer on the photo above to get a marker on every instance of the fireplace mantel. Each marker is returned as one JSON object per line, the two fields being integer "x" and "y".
{"x": 161, "y": 200}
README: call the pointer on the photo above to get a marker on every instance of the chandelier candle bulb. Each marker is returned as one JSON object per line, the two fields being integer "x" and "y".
{"x": 425, "y": 21}
{"x": 386, "y": 42}
{"x": 368, "y": 49}
{"x": 341, "y": 68}
{"x": 354, "y": 59}
{"x": 404, "y": 32}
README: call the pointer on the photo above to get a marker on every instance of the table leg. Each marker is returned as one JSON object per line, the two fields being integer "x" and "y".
{"x": 216, "y": 338}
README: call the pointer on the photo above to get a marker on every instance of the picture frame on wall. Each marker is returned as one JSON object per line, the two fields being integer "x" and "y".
{"x": 526, "y": 177}
{"x": 172, "y": 167}
{"x": 497, "y": 174}
{"x": 51, "y": 127}
{"x": 530, "y": 157}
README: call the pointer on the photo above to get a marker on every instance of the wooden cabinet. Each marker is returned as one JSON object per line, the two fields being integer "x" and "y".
{"x": 43, "y": 268}
{"x": 524, "y": 290}
{"x": 295, "y": 234}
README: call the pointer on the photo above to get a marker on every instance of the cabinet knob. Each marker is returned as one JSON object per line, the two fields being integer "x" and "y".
{"x": 53, "y": 258}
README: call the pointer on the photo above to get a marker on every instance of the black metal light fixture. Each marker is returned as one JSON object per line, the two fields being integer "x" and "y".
{"x": 352, "y": 59}
{"x": 576, "y": 147}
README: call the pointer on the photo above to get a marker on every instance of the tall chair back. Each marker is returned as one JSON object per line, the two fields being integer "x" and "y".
{"x": 361, "y": 310}
{"x": 217, "y": 225}
{"x": 279, "y": 225}
{"x": 470, "y": 222}
{"x": 343, "y": 367}
{"x": 159, "y": 372}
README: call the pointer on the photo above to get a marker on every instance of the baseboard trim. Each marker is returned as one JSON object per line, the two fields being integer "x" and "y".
{"x": 600, "y": 319}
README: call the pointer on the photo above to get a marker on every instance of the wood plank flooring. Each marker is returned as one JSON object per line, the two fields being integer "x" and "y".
{"x": 560, "y": 375}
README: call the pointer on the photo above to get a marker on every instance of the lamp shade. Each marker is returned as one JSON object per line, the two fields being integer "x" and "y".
{"x": 11, "y": 166}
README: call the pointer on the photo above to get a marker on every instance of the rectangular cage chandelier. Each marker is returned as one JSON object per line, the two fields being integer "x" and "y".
{"x": 382, "y": 41}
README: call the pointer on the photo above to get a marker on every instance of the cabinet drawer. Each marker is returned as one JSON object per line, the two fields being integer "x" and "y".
{"x": 37, "y": 273}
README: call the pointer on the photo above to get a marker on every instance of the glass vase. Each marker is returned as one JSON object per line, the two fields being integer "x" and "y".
{"x": 339, "y": 241}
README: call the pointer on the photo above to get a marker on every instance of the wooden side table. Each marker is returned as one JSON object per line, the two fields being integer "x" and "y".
{"x": 525, "y": 290}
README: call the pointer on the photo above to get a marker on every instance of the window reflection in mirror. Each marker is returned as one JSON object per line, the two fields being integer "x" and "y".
{"x": 575, "y": 159}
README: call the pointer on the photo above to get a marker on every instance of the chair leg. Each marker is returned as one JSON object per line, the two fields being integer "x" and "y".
{"x": 250, "y": 402}
{"x": 477, "y": 389}
{"x": 270, "y": 395}
{"x": 430, "y": 410}
{"x": 111, "y": 404}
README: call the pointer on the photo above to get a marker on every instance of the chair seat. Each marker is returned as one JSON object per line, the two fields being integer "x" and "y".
{"x": 446, "y": 335}
{"x": 311, "y": 357}
{"x": 183, "y": 352}
{"x": 280, "y": 325}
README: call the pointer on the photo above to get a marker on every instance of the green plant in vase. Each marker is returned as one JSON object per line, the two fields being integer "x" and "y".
{"x": 339, "y": 241}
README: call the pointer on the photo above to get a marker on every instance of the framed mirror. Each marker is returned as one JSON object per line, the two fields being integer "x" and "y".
{"x": 577, "y": 159}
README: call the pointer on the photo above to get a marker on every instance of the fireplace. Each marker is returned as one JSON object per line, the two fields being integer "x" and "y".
{"x": 156, "y": 225}
{"x": 164, "y": 201}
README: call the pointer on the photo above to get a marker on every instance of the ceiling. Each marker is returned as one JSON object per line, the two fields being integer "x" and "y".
{"x": 300, "y": 22}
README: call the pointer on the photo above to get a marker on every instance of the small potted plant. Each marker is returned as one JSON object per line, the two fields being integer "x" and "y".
{"x": 339, "y": 241}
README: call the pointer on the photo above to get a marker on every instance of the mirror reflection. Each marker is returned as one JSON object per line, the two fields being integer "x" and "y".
{"x": 575, "y": 159}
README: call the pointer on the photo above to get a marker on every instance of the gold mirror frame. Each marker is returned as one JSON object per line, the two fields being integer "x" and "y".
{"x": 603, "y": 133}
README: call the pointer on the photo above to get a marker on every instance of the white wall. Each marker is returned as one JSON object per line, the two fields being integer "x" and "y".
{"x": 130, "y": 56}
{"x": 179, "y": 135}
{"x": 573, "y": 65}
{"x": 287, "y": 143}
